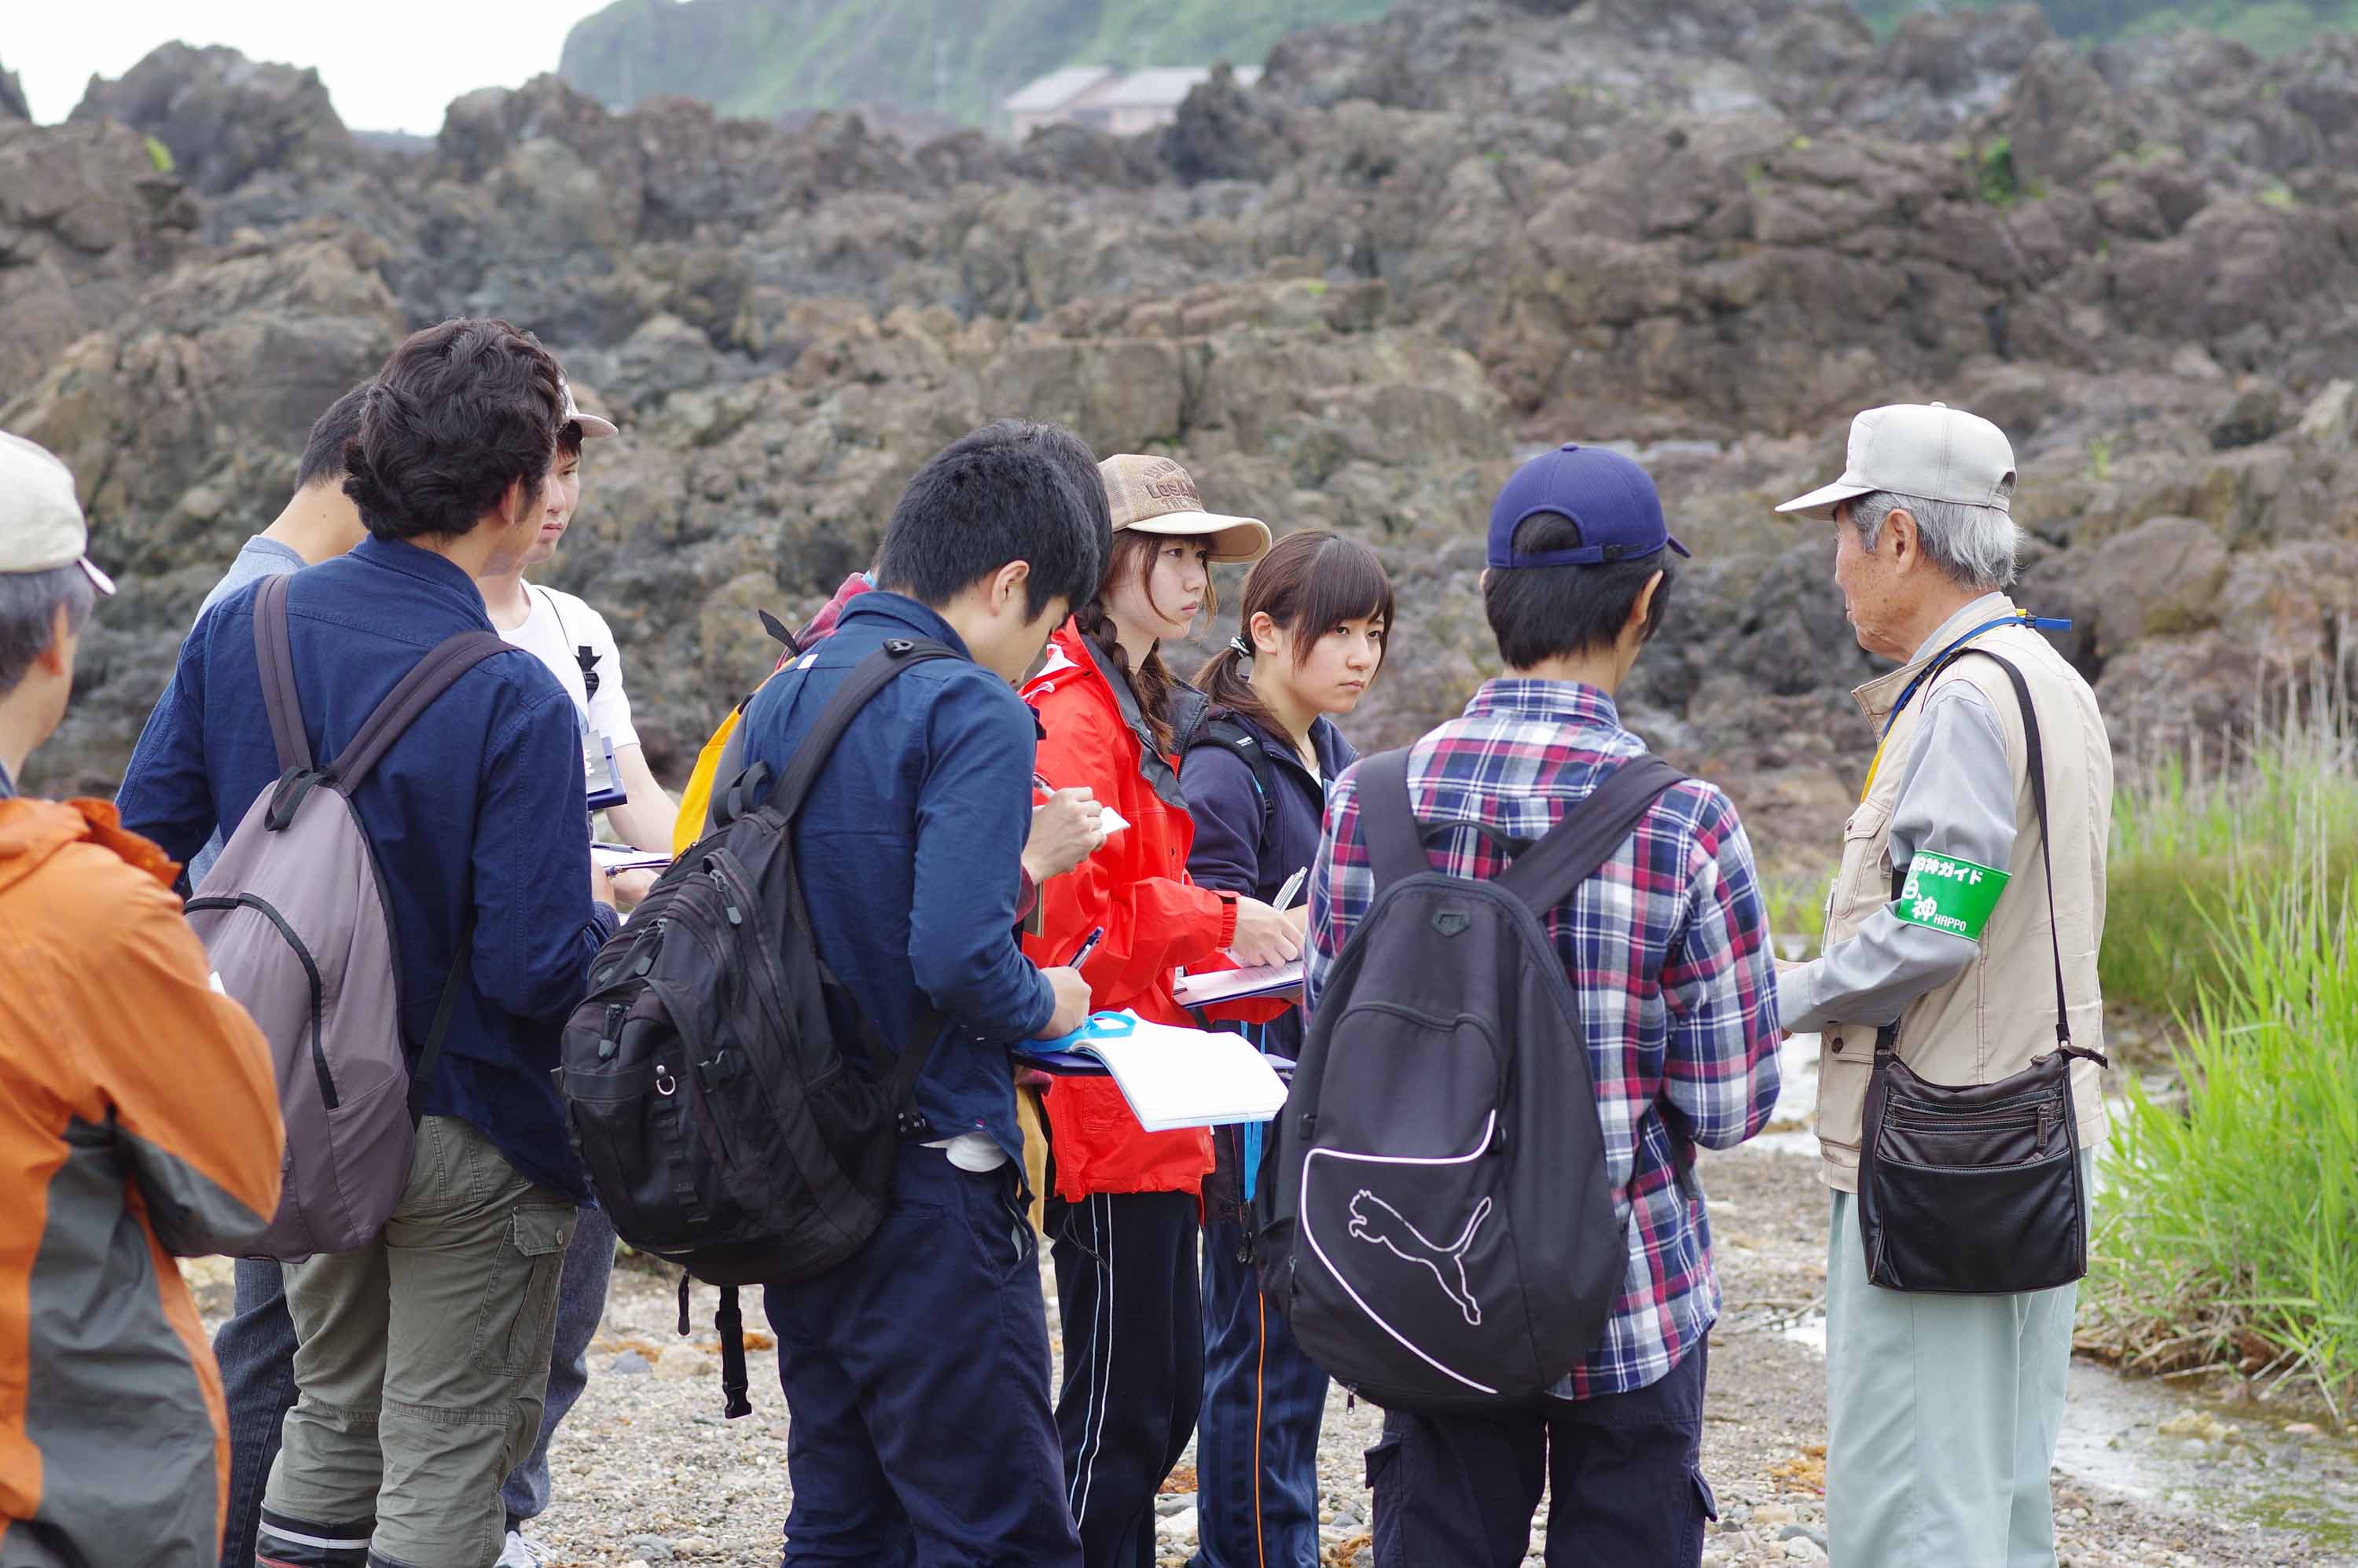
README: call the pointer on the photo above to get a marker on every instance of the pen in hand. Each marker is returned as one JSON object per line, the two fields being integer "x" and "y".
{"x": 1088, "y": 946}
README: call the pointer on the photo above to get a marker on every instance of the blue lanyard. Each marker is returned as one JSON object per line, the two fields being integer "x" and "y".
{"x": 2019, "y": 618}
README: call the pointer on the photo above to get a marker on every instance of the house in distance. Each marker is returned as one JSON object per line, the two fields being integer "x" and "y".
{"x": 1105, "y": 98}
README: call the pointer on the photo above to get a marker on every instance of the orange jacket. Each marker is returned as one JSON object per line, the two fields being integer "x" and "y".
{"x": 138, "y": 1120}
{"x": 1136, "y": 890}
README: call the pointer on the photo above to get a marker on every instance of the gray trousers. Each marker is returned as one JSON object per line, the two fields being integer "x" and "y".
{"x": 1942, "y": 1416}
{"x": 420, "y": 1361}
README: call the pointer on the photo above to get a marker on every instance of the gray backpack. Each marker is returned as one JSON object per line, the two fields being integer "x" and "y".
{"x": 293, "y": 919}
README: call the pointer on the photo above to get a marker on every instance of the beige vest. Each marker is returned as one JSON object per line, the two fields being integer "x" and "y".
{"x": 1990, "y": 1021}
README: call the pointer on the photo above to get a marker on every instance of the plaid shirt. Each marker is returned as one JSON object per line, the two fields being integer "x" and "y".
{"x": 1667, "y": 947}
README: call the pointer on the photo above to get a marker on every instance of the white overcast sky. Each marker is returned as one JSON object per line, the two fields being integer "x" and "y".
{"x": 388, "y": 66}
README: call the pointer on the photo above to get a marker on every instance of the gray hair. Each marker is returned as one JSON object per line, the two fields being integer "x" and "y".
{"x": 1974, "y": 545}
{"x": 28, "y": 610}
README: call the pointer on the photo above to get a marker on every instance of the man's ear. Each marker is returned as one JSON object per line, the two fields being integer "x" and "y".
{"x": 1906, "y": 538}
{"x": 52, "y": 658}
{"x": 1007, "y": 586}
{"x": 1642, "y": 608}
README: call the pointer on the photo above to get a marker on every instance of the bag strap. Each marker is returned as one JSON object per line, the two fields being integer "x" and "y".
{"x": 421, "y": 1071}
{"x": 274, "y": 660}
{"x": 2036, "y": 757}
{"x": 1587, "y": 835}
{"x": 870, "y": 675}
{"x": 1388, "y": 818}
{"x": 1230, "y": 736}
{"x": 428, "y": 679}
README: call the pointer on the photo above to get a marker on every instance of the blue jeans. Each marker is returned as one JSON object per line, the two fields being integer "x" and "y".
{"x": 581, "y": 1304}
{"x": 256, "y": 1351}
{"x": 1257, "y": 1439}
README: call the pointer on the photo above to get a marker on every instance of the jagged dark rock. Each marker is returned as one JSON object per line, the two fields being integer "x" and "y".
{"x": 224, "y": 118}
{"x": 1712, "y": 229}
{"x": 11, "y": 97}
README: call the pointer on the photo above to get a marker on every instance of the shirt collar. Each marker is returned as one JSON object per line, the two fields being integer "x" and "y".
{"x": 919, "y": 620}
{"x": 1545, "y": 701}
{"x": 436, "y": 571}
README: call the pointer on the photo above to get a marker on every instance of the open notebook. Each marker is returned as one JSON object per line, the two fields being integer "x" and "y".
{"x": 1172, "y": 1077}
{"x": 1236, "y": 985}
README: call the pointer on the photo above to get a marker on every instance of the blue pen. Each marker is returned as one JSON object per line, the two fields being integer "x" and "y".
{"x": 1088, "y": 946}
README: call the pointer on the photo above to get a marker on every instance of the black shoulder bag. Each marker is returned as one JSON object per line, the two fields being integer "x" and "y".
{"x": 1977, "y": 1190}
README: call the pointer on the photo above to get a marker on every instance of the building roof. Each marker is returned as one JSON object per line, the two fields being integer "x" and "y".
{"x": 1046, "y": 95}
{"x": 1166, "y": 86}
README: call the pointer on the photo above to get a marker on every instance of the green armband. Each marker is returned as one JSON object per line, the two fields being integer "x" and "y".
{"x": 1955, "y": 896}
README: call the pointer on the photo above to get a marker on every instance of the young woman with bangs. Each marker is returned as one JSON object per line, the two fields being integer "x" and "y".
{"x": 1123, "y": 1204}
{"x": 1317, "y": 617}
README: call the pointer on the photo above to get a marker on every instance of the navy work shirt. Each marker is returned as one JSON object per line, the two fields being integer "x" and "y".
{"x": 476, "y": 812}
{"x": 909, "y": 847}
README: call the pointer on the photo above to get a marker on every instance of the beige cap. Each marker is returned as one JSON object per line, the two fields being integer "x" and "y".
{"x": 1154, "y": 495}
{"x": 1930, "y": 451}
{"x": 41, "y": 526}
{"x": 591, "y": 424}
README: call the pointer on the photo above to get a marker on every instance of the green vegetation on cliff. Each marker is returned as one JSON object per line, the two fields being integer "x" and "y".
{"x": 959, "y": 58}
{"x": 2270, "y": 26}
{"x": 767, "y": 57}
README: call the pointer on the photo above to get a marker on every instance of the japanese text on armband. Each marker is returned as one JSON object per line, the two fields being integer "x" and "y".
{"x": 1950, "y": 895}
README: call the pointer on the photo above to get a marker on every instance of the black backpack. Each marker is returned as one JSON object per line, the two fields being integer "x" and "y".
{"x": 1442, "y": 1235}
{"x": 727, "y": 1125}
{"x": 1232, "y": 737}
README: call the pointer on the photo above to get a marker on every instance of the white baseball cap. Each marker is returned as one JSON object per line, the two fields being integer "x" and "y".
{"x": 41, "y": 526}
{"x": 1930, "y": 451}
{"x": 591, "y": 424}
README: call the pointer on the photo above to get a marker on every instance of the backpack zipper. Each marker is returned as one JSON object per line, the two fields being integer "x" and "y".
{"x": 310, "y": 971}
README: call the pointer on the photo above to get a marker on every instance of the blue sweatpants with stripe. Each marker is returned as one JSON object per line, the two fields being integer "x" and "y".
{"x": 1256, "y": 1439}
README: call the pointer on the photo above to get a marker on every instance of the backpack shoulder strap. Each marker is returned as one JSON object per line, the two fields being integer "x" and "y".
{"x": 869, "y": 677}
{"x": 1232, "y": 736}
{"x": 1395, "y": 850}
{"x": 428, "y": 679}
{"x": 274, "y": 658}
{"x": 1578, "y": 846}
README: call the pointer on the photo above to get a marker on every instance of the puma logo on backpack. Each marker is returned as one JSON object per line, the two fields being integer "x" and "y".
{"x": 293, "y": 920}
{"x": 1442, "y": 1126}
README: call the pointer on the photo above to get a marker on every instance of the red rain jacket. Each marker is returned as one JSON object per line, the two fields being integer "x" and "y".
{"x": 1136, "y": 889}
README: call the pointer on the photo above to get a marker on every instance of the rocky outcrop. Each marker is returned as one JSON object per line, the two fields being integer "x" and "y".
{"x": 11, "y": 97}
{"x": 226, "y": 119}
{"x": 1711, "y": 228}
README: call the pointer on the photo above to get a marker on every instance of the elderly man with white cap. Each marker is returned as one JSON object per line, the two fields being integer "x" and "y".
{"x": 1959, "y": 1092}
{"x": 143, "y": 1117}
{"x": 48, "y": 589}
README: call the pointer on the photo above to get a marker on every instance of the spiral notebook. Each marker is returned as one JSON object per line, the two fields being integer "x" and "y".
{"x": 1172, "y": 1077}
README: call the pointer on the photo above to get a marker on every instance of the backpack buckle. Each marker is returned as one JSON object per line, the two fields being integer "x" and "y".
{"x": 914, "y": 1124}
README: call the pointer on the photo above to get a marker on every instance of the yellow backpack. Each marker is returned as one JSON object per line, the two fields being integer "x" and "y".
{"x": 723, "y": 755}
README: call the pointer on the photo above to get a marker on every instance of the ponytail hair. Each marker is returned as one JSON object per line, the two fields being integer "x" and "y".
{"x": 1152, "y": 683}
{"x": 1309, "y": 583}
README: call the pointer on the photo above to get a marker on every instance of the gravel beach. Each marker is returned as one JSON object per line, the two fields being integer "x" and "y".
{"x": 647, "y": 1471}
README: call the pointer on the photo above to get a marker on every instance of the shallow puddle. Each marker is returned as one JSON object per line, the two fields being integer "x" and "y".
{"x": 2174, "y": 1444}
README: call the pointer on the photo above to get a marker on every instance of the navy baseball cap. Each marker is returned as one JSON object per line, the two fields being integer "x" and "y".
{"x": 1610, "y": 497}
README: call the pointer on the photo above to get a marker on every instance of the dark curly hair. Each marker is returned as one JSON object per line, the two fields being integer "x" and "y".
{"x": 460, "y": 413}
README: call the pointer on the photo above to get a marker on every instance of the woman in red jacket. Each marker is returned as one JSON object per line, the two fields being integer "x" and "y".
{"x": 1124, "y": 1212}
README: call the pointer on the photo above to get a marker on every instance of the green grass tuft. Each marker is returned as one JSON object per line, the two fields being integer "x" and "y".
{"x": 2227, "y": 1229}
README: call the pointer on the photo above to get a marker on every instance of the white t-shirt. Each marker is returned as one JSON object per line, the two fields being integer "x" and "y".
{"x": 560, "y": 623}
